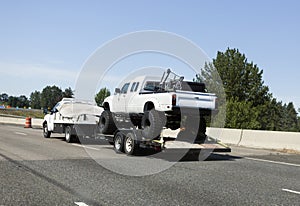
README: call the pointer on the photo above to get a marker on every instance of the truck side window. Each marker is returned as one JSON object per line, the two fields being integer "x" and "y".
{"x": 136, "y": 87}
{"x": 132, "y": 87}
{"x": 125, "y": 88}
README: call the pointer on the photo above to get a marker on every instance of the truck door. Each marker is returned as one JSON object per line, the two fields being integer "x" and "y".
{"x": 121, "y": 99}
{"x": 130, "y": 100}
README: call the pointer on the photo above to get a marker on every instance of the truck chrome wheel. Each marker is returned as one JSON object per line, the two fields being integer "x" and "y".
{"x": 68, "y": 135}
{"x": 130, "y": 145}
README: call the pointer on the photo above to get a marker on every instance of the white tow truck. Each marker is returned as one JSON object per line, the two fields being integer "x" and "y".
{"x": 73, "y": 118}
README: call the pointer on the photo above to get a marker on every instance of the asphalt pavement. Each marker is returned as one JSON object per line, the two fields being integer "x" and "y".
{"x": 39, "y": 171}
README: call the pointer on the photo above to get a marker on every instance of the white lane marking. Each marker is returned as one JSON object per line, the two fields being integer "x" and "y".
{"x": 80, "y": 204}
{"x": 270, "y": 161}
{"x": 291, "y": 191}
{"x": 21, "y": 133}
{"x": 78, "y": 145}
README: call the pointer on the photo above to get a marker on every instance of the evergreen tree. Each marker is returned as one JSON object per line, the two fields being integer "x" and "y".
{"x": 291, "y": 118}
{"x": 50, "y": 96}
{"x": 35, "y": 100}
{"x": 101, "y": 95}
{"x": 242, "y": 80}
{"x": 68, "y": 93}
{"x": 22, "y": 101}
{"x": 250, "y": 105}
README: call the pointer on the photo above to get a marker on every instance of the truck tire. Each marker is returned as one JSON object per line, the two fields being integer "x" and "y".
{"x": 107, "y": 124}
{"x": 119, "y": 142}
{"x": 153, "y": 122}
{"x": 68, "y": 135}
{"x": 130, "y": 145}
{"x": 46, "y": 132}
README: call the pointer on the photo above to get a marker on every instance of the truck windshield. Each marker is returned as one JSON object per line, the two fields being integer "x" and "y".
{"x": 54, "y": 109}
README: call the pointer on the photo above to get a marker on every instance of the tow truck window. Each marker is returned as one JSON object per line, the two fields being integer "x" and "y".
{"x": 125, "y": 88}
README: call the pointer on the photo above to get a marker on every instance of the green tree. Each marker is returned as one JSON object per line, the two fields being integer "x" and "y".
{"x": 68, "y": 93}
{"x": 22, "y": 101}
{"x": 243, "y": 87}
{"x": 35, "y": 100}
{"x": 50, "y": 96}
{"x": 242, "y": 80}
{"x": 291, "y": 118}
{"x": 241, "y": 115}
{"x": 12, "y": 101}
{"x": 101, "y": 95}
{"x": 4, "y": 97}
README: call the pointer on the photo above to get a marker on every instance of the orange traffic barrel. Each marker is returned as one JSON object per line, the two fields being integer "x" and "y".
{"x": 28, "y": 122}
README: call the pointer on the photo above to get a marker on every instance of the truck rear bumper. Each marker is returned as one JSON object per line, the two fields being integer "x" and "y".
{"x": 176, "y": 110}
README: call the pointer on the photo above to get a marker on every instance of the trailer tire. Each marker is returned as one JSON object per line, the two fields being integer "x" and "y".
{"x": 68, "y": 135}
{"x": 46, "y": 132}
{"x": 130, "y": 145}
{"x": 119, "y": 142}
{"x": 107, "y": 124}
{"x": 152, "y": 123}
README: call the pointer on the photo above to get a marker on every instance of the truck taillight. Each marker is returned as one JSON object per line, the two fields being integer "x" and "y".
{"x": 173, "y": 99}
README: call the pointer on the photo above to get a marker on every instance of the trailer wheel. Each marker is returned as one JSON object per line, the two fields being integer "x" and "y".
{"x": 46, "y": 132}
{"x": 119, "y": 142}
{"x": 107, "y": 125}
{"x": 68, "y": 135}
{"x": 153, "y": 122}
{"x": 130, "y": 145}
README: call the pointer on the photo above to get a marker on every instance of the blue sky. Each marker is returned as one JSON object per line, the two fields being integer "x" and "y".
{"x": 47, "y": 42}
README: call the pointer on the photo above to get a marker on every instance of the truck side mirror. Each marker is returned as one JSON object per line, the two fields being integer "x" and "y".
{"x": 53, "y": 111}
{"x": 117, "y": 90}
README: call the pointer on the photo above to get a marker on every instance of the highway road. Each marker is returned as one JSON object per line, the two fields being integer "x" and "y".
{"x": 39, "y": 171}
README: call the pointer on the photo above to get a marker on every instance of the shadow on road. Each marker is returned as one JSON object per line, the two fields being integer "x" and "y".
{"x": 168, "y": 155}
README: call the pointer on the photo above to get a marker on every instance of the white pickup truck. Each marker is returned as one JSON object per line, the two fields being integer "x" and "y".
{"x": 151, "y": 103}
{"x": 73, "y": 118}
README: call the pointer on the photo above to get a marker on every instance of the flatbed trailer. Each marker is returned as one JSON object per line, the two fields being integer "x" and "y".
{"x": 131, "y": 141}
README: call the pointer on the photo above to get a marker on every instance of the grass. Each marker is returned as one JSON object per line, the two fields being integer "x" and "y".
{"x": 34, "y": 113}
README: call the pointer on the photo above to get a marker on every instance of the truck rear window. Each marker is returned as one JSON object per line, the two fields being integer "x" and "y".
{"x": 193, "y": 86}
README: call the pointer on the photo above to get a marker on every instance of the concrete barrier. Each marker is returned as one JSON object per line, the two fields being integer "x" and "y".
{"x": 229, "y": 136}
{"x": 257, "y": 138}
{"x": 271, "y": 139}
{"x": 36, "y": 123}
